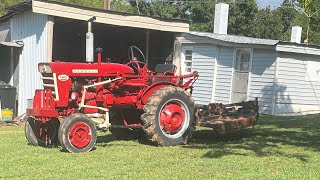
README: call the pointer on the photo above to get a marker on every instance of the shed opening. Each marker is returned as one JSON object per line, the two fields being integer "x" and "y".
{"x": 69, "y": 42}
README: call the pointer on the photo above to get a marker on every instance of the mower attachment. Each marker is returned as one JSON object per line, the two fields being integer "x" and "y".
{"x": 227, "y": 118}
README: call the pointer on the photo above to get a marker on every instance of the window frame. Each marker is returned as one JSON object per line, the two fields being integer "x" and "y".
{"x": 184, "y": 59}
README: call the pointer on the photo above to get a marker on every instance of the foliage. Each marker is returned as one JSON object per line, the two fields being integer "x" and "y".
{"x": 268, "y": 25}
{"x": 242, "y": 18}
{"x": 308, "y": 8}
{"x": 7, "y": 3}
{"x": 200, "y": 15}
{"x": 161, "y": 9}
{"x": 121, "y": 6}
{"x": 278, "y": 148}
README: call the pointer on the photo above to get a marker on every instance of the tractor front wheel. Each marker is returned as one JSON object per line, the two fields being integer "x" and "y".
{"x": 77, "y": 133}
{"x": 42, "y": 134}
{"x": 169, "y": 116}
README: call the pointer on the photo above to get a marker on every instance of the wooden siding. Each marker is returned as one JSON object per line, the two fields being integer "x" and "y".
{"x": 293, "y": 88}
{"x": 203, "y": 61}
{"x": 262, "y": 78}
{"x": 224, "y": 75}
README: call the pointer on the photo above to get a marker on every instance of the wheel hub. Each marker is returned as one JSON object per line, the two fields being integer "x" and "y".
{"x": 172, "y": 118}
{"x": 80, "y": 135}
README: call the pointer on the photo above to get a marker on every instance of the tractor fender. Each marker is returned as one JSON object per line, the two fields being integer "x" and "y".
{"x": 150, "y": 90}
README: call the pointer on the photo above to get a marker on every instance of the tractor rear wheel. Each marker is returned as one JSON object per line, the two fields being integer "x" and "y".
{"x": 77, "y": 133}
{"x": 42, "y": 134}
{"x": 169, "y": 116}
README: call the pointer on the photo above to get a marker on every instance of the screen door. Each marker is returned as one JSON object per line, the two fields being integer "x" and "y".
{"x": 241, "y": 76}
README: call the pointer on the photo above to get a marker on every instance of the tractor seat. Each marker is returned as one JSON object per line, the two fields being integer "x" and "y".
{"x": 163, "y": 68}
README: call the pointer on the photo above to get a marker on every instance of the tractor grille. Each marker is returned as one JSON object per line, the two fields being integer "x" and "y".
{"x": 49, "y": 81}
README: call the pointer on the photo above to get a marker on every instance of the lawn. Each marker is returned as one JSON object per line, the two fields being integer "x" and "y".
{"x": 278, "y": 148}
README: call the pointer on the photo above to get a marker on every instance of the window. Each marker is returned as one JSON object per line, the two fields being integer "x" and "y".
{"x": 187, "y": 61}
{"x": 242, "y": 60}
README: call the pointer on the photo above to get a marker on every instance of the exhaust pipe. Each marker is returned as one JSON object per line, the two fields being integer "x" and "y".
{"x": 89, "y": 41}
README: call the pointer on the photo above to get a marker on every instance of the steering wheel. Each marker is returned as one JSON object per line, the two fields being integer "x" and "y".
{"x": 131, "y": 54}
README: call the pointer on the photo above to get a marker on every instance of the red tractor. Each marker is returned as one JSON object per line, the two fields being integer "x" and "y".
{"x": 124, "y": 98}
{"x": 127, "y": 99}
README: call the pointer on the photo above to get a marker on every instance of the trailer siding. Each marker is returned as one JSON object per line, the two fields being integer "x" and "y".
{"x": 224, "y": 75}
{"x": 203, "y": 61}
{"x": 295, "y": 94}
{"x": 262, "y": 78}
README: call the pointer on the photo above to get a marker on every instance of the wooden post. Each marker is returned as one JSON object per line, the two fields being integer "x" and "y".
{"x": 50, "y": 26}
{"x": 147, "y": 46}
{"x": 106, "y": 4}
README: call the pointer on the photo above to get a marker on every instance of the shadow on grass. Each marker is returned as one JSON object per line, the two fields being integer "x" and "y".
{"x": 104, "y": 141}
{"x": 274, "y": 136}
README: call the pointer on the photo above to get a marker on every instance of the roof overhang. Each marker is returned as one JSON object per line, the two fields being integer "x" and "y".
{"x": 17, "y": 44}
{"x": 298, "y": 48}
{"x": 108, "y": 17}
{"x": 226, "y": 40}
{"x": 236, "y": 39}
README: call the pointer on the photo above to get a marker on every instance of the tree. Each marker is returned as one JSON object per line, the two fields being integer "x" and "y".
{"x": 7, "y": 3}
{"x": 162, "y": 9}
{"x": 242, "y": 17}
{"x": 288, "y": 18}
{"x": 309, "y": 8}
{"x": 121, "y": 6}
{"x": 268, "y": 24}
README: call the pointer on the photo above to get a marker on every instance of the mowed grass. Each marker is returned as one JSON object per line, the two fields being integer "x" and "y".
{"x": 278, "y": 148}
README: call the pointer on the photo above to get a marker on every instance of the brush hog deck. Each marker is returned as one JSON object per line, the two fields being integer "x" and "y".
{"x": 227, "y": 118}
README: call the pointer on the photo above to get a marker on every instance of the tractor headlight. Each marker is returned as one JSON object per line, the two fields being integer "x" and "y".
{"x": 44, "y": 68}
{"x": 74, "y": 96}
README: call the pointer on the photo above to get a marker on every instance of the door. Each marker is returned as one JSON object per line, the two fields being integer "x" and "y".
{"x": 241, "y": 75}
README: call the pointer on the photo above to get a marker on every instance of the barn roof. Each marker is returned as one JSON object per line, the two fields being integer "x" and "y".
{"x": 103, "y": 16}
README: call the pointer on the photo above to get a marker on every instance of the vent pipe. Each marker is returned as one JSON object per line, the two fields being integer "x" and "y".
{"x": 296, "y": 34}
{"x": 221, "y": 18}
{"x": 89, "y": 41}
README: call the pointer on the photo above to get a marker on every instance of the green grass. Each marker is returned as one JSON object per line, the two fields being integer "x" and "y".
{"x": 278, "y": 148}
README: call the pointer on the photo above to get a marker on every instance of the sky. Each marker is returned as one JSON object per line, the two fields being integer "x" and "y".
{"x": 271, "y": 3}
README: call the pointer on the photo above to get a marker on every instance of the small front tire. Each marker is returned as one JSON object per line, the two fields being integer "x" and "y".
{"x": 77, "y": 133}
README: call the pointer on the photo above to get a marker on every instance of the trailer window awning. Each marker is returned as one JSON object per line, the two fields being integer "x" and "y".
{"x": 12, "y": 44}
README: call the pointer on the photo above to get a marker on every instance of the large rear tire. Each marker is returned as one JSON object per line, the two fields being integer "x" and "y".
{"x": 169, "y": 116}
{"x": 42, "y": 134}
{"x": 77, "y": 133}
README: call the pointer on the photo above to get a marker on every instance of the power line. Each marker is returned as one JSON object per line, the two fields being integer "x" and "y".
{"x": 265, "y": 4}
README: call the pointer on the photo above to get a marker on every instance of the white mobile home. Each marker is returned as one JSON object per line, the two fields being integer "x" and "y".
{"x": 284, "y": 76}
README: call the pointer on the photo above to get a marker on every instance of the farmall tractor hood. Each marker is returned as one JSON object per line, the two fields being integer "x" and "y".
{"x": 84, "y": 68}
